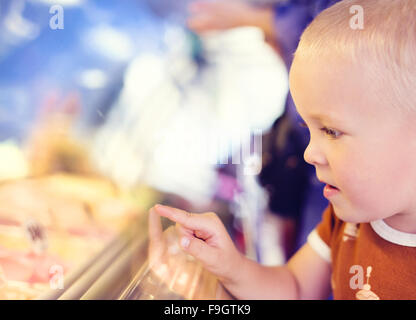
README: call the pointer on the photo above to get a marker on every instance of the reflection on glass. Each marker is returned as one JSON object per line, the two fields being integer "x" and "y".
{"x": 170, "y": 273}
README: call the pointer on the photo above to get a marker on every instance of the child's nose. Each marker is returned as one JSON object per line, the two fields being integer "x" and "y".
{"x": 313, "y": 155}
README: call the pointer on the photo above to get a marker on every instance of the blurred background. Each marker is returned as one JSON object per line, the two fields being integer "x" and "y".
{"x": 108, "y": 107}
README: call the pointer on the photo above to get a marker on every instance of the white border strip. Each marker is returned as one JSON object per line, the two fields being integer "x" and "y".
{"x": 319, "y": 246}
{"x": 393, "y": 235}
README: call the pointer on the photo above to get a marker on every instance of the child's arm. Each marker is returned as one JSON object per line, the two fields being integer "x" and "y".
{"x": 306, "y": 276}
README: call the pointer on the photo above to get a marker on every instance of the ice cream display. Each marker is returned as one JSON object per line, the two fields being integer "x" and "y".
{"x": 56, "y": 223}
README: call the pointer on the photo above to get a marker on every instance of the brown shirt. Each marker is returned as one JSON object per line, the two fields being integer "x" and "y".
{"x": 369, "y": 260}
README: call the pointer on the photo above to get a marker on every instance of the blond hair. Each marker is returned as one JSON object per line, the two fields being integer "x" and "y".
{"x": 385, "y": 47}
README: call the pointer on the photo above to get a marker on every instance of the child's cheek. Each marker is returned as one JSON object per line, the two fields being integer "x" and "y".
{"x": 363, "y": 190}
{"x": 354, "y": 177}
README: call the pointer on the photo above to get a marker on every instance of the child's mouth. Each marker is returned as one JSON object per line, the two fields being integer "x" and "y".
{"x": 330, "y": 191}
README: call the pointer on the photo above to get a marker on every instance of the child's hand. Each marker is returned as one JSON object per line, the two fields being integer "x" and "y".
{"x": 205, "y": 237}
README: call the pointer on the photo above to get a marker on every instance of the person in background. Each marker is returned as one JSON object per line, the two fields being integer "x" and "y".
{"x": 295, "y": 197}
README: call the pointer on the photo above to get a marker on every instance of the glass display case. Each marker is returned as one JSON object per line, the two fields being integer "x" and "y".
{"x": 72, "y": 237}
{"x": 121, "y": 107}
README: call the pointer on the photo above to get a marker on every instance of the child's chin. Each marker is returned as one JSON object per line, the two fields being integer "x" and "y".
{"x": 347, "y": 215}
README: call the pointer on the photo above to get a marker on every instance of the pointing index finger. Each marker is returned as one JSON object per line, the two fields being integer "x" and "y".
{"x": 176, "y": 215}
{"x": 186, "y": 219}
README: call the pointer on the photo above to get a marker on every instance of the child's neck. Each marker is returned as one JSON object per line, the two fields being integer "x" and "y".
{"x": 404, "y": 222}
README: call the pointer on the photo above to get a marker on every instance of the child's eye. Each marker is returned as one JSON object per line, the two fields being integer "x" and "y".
{"x": 332, "y": 133}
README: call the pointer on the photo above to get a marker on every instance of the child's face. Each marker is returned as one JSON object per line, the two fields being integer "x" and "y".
{"x": 364, "y": 148}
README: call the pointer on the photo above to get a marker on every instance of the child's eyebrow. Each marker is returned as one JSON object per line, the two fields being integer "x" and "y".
{"x": 322, "y": 117}
{"x": 319, "y": 117}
